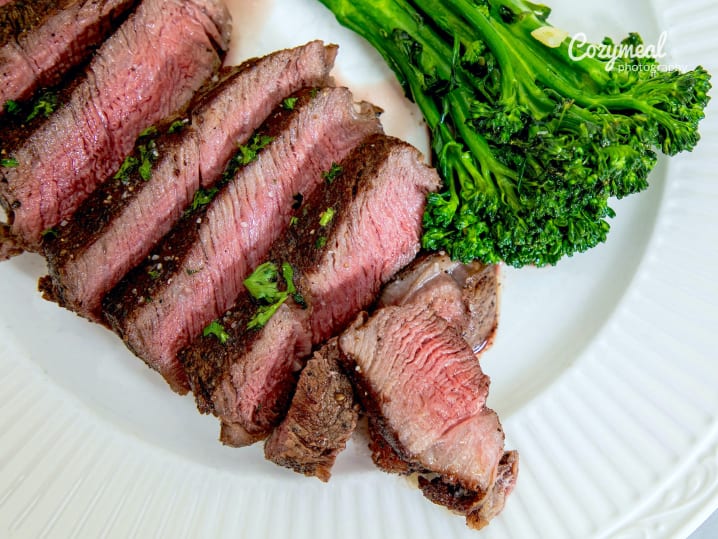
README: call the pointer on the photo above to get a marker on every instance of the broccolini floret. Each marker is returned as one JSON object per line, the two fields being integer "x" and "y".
{"x": 531, "y": 143}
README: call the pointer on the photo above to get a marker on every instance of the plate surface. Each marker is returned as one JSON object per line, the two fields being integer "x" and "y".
{"x": 604, "y": 370}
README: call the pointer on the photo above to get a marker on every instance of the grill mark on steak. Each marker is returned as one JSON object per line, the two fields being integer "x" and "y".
{"x": 117, "y": 226}
{"x": 320, "y": 421}
{"x": 425, "y": 394}
{"x": 41, "y": 40}
{"x": 208, "y": 255}
{"x": 465, "y": 295}
{"x": 378, "y": 201}
{"x": 148, "y": 69}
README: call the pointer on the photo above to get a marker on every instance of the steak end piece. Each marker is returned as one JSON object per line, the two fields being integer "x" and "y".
{"x": 320, "y": 421}
{"x": 425, "y": 395}
{"x": 465, "y": 295}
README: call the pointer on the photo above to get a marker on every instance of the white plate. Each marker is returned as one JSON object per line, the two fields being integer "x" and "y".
{"x": 604, "y": 370}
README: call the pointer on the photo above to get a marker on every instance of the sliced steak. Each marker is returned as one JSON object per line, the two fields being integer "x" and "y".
{"x": 196, "y": 272}
{"x": 120, "y": 223}
{"x": 425, "y": 393}
{"x": 148, "y": 69}
{"x": 41, "y": 40}
{"x": 347, "y": 240}
{"x": 320, "y": 421}
{"x": 465, "y": 295}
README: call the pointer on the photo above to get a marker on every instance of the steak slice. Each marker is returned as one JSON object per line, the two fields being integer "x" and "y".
{"x": 148, "y": 69}
{"x": 196, "y": 272}
{"x": 310, "y": 437}
{"x": 320, "y": 421}
{"x": 41, "y": 40}
{"x": 465, "y": 295}
{"x": 117, "y": 226}
{"x": 347, "y": 241}
{"x": 425, "y": 394}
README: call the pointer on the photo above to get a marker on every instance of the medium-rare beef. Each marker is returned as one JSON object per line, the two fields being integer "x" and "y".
{"x": 148, "y": 69}
{"x": 117, "y": 226}
{"x": 346, "y": 241}
{"x": 41, "y": 40}
{"x": 425, "y": 393}
{"x": 196, "y": 272}
{"x": 320, "y": 421}
{"x": 465, "y": 295}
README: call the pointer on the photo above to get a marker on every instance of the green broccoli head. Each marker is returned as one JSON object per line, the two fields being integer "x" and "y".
{"x": 532, "y": 142}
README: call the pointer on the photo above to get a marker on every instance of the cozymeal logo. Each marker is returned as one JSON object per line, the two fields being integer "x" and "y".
{"x": 580, "y": 48}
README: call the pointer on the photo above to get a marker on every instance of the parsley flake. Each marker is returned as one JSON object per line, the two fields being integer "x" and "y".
{"x": 9, "y": 162}
{"x": 326, "y": 217}
{"x": 44, "y": 105}
{"x": 289, "y": 103}
{"x": 216, "y": 330}
{"x": 12, "y": 107}
{"x": 263, "y": 286}
{"x": 332, "y": 174}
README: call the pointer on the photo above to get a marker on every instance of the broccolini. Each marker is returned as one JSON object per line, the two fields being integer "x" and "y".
{"x": 531, "y": 142}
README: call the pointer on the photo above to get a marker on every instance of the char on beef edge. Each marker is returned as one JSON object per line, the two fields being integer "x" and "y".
{"x": 117, "y": 226}
{"x": 337, "y": 243}
{"x": 54, "y": 164}
{"x": 320, "y": 420}
{"x": 346, "y": 241}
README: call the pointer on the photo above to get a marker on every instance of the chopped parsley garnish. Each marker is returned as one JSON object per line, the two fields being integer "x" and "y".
{"x": 202, "y": 197}
{"x": 263, "y": 314}
{"x": 12, "y": 107}
{"x": 216, "y": 330}
{"x": 289, "y": 103}
{"x": 293, "y": 220}
{"x": 44, "y": 105}
{"x": 331, "y": 174}
{"x": 9, "y": 162}
{"x": 49, "y": 233}
{"x": 246, "y": 153}
{"x": 141, "y": 159}
{"x": 263, "y": 286}
{"x": 150, "y": 131}
{"x": 128, "y": 165}
{"x": 154, "y": 274}
{"x": 177, "y": 125}
{"x": 326, "y": 217}
{"x": 321, "y": 242}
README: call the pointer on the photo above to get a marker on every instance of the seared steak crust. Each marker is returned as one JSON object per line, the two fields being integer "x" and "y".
{"x": 425, "y": 394}
{"x": 148, "y": 69}
{"x": 117, "y": 226}
{"x": 195, "y": 274}
{"x": 41, "y": 40}
{"x": 320, "y": 421}
{"x": 347, "y": 240}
